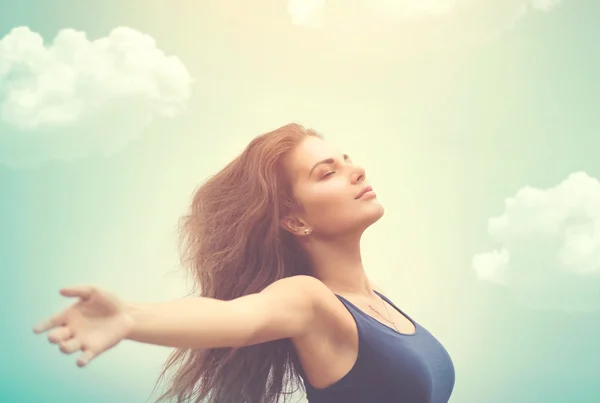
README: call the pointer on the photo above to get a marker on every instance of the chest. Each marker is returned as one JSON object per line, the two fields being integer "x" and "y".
{"x": 387, "y": 367}
{"x": 391, "y": 318}
{"x": 413, "y": 368}
{"x": 371, "y": 356}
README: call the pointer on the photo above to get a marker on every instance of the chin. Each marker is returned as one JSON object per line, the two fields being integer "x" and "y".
{"x": 376, "y": 211}
{"x": 380, "y": 211}
{"x": 358, "y": 221}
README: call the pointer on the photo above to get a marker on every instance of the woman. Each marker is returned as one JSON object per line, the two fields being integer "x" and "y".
{"x": 273, "y": 243}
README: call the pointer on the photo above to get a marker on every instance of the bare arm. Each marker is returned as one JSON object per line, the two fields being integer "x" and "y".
{"x": 286, "y": 309}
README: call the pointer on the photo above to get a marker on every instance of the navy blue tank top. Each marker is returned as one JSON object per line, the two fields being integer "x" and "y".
{"x": 391, "y": 367}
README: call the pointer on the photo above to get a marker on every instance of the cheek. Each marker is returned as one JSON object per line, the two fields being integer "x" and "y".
{"x": 328, "y": 205}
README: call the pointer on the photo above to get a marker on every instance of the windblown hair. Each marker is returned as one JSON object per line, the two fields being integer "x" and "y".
{"x": 233, "y": 245}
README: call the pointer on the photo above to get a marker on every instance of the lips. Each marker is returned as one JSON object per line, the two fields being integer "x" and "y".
{"x": 362, "y": 192}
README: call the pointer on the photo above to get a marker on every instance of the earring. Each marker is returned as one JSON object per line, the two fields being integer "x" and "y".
{"x": 307, "y": 232}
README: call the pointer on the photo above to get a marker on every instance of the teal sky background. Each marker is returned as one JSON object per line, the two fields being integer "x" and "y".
{"x": 451, "y": 114}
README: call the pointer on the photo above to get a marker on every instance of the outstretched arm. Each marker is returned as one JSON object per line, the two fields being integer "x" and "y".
{"x": 285, "y": 309}
{"x": 98, "y": 321}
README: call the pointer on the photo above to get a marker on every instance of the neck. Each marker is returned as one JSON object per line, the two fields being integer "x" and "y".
{"x": 338, "y": 264}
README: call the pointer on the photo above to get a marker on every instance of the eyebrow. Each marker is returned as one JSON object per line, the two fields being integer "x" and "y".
{"x": 328, "y": 161}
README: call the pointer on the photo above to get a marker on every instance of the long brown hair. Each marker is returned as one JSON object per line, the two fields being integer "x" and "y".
{"x": 233, "y": 245}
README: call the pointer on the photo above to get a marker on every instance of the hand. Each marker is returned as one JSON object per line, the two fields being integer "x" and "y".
{"x": 94, "y": 324}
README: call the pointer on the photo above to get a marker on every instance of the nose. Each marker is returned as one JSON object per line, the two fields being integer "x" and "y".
{"x": 358, "y": 175}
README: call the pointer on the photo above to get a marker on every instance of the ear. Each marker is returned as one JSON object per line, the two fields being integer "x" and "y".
{"x": 293, "y": 224}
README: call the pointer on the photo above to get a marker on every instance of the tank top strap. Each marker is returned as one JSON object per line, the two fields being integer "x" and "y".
{"x": 358, "y": 315}
{"x": 386, "y": 299}
{"x": 349, "y": 305}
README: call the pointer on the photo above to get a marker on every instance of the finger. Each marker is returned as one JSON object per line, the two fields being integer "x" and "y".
{"x": 70, "y": 346}
{"x": 83, "y": 292}
{"x": 60, "y": 334}
{"x": 56, "y": 320}
{"x": 85, "y": 358}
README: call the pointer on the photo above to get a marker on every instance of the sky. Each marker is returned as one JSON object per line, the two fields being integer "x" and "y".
{"x": 477, "y": 122}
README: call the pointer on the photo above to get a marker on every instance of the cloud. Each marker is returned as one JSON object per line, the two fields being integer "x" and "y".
{"x": 409, "y": 26}
{"x": 74, "y": 95}
{"x": 549, "y": 252}
{"x": 404, "y": 9}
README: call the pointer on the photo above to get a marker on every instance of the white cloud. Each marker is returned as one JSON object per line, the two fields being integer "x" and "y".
{"x": 409, "y": 26}
{"x": 550, "y": 246}
{"x": 57, "y": 95}
{"x": 426, "y": 8}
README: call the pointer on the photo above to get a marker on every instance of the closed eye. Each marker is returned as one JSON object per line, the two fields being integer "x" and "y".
{"x": 329, "y": 161}
{"x": 328, "y": 174}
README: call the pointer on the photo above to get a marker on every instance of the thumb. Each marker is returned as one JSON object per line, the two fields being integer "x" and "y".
{"x": 85, "y": 358}
{"x": 83, "y": 292}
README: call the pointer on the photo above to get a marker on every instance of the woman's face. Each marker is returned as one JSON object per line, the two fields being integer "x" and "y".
{"x": 328, "y": 186}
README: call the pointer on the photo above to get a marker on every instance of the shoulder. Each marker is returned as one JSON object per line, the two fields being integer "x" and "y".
{"x": 294, "y": 282}
{"x": 328, "y": 319}
{"x": 298, "y": 304}
{"x": 308, "y": 294}
{"x": 303, "y": 287}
